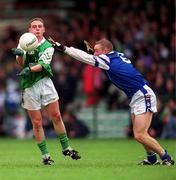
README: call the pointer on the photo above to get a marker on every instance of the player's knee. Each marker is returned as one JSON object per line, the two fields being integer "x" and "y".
{"x": 37, "y": 124}
{"x": 139, "y": 136}
{"x": 56, "y": 117}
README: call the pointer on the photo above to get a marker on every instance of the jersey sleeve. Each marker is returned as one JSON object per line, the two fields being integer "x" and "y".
{"x": 45, "y": 60}
{"x": 47, "y": 55}
{"x": 86, "y": 58}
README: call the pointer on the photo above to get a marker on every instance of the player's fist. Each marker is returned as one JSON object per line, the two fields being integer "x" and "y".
{"x": 25, "y": 72}
{"x": 17, "y": 51}
{"x": 57, "y": 46}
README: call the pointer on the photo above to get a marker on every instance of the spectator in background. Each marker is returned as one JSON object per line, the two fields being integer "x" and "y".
{"x": 64, "y": 79}
{"x": 92, "y": 84}
{"x": 75, "y": 127}
{"x": 2, "y": 100}
{"x": 169, "y": 131}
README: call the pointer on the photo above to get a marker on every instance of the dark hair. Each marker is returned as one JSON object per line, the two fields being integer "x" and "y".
{"x": 36, "y": 19}
{"x": 106, "y": 44}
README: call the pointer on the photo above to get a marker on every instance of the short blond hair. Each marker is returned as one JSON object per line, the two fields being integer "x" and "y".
{"x": 105, "y": 44}
{"x": 36, "y": 19}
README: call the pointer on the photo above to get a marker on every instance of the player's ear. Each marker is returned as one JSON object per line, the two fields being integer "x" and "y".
{"x": 106, "y": 51}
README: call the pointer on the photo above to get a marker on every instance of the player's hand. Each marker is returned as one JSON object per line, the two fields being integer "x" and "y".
{"x": 88, "y": 47}
{"x": 17, "y": 51}
{"x": 57, "y": 46}
{"x": 25, "y": 72}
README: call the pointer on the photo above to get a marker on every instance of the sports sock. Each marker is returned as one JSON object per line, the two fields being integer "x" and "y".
{"x": 43, "y": 148}
{"x": 151, "y": 157}
{"x": 165, "y": 156}
{"x": 64, "y": 140}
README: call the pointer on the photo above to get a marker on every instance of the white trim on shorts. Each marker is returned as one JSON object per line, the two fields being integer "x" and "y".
{"x": 40, "y": 94}
{"x": 143, "y": 101}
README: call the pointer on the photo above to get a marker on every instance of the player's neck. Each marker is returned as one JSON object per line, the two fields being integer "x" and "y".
{"x": 40, "y": 39}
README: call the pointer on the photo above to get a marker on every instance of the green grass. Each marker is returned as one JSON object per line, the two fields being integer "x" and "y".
{"x": 105, "y": 159}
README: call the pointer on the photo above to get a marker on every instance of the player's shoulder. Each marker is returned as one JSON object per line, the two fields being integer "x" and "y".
{"x": 108, "y": 56}
{"x": 47, "y": 43}
{"x": 45, "y": 46}
{"x": 104, "y": 57}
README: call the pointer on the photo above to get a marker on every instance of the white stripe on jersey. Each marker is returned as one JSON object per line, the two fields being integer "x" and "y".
{"x": 47, "y": 55}
{"x": 104, "y": 57}
{"x": 99, "y": 62}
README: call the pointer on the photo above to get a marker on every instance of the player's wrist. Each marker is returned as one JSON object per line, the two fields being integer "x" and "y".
{"x": 60, "y": 47}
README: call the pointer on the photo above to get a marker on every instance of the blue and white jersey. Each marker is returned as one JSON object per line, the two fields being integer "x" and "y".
{"x": 123, "y": 74}
{"x": 117, "y": 67}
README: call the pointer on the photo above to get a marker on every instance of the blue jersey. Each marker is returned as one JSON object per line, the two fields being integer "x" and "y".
{"x": 123, "y": 74}
{"x": 117, "y": 67}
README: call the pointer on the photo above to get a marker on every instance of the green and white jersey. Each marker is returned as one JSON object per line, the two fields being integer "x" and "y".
{"x": 43, "y": 56}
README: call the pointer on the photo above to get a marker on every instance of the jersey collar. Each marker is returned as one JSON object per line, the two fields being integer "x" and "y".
{"x": 42, "y": 41}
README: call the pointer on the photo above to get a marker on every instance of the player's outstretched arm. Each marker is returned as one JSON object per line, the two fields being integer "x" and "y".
{"x": 79, "y": 55}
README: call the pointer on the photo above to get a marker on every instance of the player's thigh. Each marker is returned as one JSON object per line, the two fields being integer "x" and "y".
{"x": 141, "y": 122}
{"x": 53, "y": 109}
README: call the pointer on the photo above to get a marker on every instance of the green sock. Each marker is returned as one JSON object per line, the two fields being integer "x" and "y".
{"x": 63, "y": 140}
{"x": 43, "y": 148}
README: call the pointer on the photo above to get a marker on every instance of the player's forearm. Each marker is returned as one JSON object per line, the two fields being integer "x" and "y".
{"x": 79, "y": 55}
{"x": 36, "y": 68}
{"x": 85, "y": 57}
{"x": 20, "y": 60}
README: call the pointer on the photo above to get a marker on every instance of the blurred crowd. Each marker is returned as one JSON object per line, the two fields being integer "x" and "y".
{"x": 144, "y": 30}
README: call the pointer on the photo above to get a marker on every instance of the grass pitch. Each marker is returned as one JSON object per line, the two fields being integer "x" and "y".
{"x": 104, "y": 159}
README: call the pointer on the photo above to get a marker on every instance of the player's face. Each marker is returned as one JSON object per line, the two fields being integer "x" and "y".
{"x": 37, "y": 28}
{"x": 98, "y": 50}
